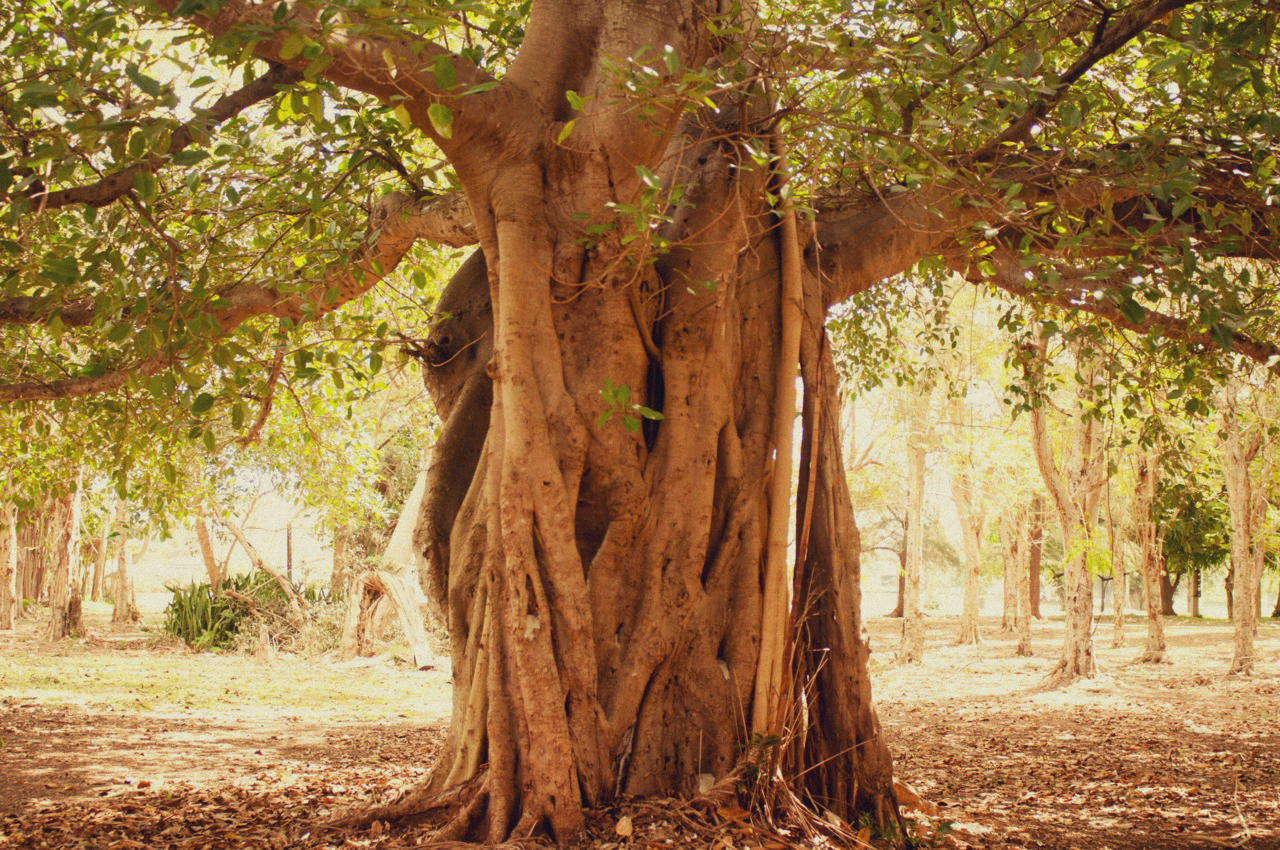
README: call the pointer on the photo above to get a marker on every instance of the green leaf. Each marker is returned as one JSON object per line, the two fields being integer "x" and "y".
{"x": 441, "y": 120}
{"x": 190, "y": 157}
{"x": 292, "y": 46}
{"x": 148, "y": 85}
{"x": 446, "y": 76}
{"x": 1031, "y": 62}
{"x": 565, "y": 131}
{"x": 202, "y": 404}
{"x": 63, "y": 271}
{"x": 315, "y": 104}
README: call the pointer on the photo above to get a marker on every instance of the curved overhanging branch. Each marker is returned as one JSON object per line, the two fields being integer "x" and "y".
{"x": 1075, "y": 289}
{"x": 114, "y": 185}
{"x": 396, "y": 224}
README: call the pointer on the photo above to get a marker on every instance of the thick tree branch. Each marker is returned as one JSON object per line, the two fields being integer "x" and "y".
{"x": 853, "y": 249}
{"x": 115, "y": 185}
{"x": 397, "y": 223}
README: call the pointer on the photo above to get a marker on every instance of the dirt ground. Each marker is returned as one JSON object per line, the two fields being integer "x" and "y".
{"x": 122, "y": 740}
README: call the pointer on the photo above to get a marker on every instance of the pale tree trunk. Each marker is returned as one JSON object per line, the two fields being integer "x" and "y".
{"x": 124, "y": 609}
{"x": 338, "y": 575}
{"x": 359, "y": 631}
{"x": 64, "y": 596}
{"x": 1022, "y": 620}
{"x": 911, "y": 649}
{"x": 1075, "y": 490}
{"x": 1119, "y": 574}
{"x": 1149, "y": 553}
{"x": 1037, "y": 551}
{"x": 206, "y": 547}
{"x": 1009, "y": 584}
{"x": 296, "y": 603}
{"x": 972, "y": 522}
{"x": 33, "y": 552}
{"x": 1010, "y": 555}
{"x": 8, "y": 563}
{"x": 1193, "y": 594}
{"x": 1247, "y": 498}
{"x": 967, "y": 495}
{"x": 100, "y": 554}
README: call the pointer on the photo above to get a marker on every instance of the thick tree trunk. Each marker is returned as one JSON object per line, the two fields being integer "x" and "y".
{"x": 1194, "y": 582}
{"x": 64, "y": 595}
{"x": 33, "y": 552}
{"x": 1022, "y": 618}
{"x": 604, "y": 580}
{"x": 1149, "y": 558}
{"x": 8, "y": 563}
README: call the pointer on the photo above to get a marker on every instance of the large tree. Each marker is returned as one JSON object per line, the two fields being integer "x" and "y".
{"x": 616, "y": 363}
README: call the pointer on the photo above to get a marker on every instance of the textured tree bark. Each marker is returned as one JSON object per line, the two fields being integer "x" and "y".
{"x": 604, "y": 574}
{"x": 1193, "y": 594}
{"x": 64, "y": 594}
{"x": 604, "y": 585}
{"x": 33, "y": 551}
{"x": 1147, "y": 531}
